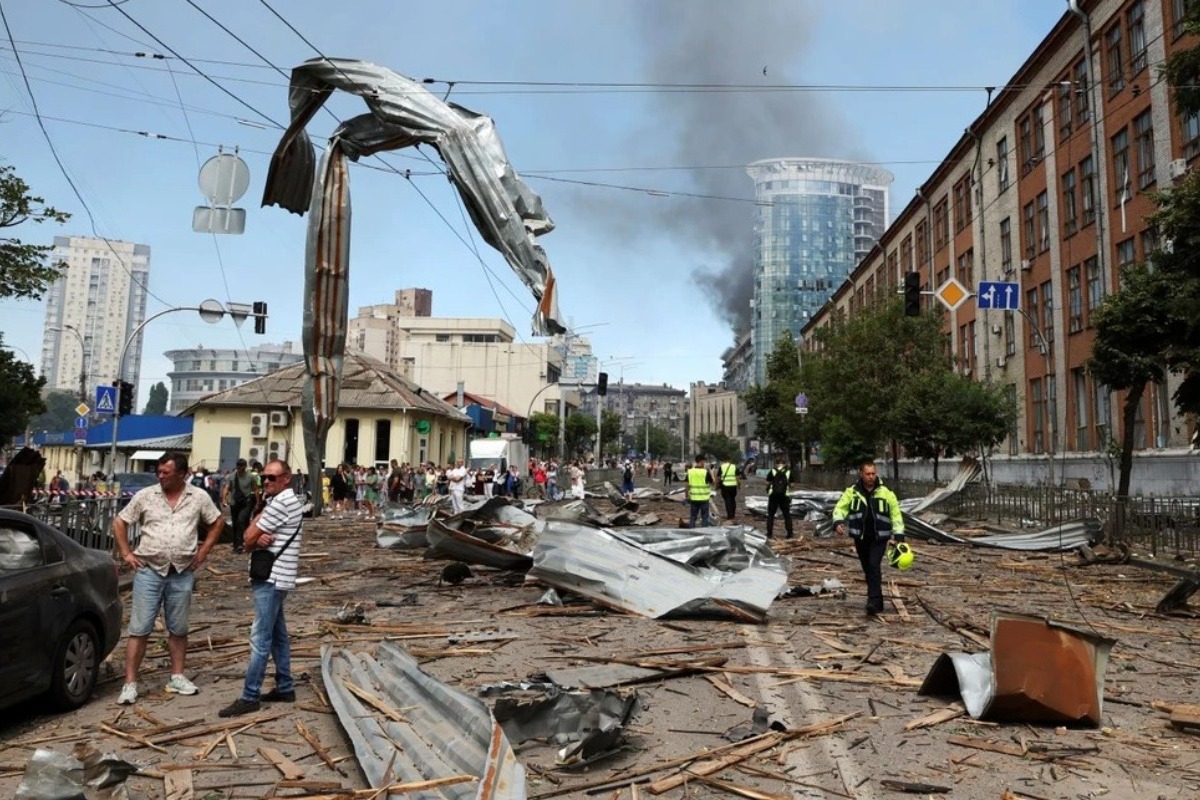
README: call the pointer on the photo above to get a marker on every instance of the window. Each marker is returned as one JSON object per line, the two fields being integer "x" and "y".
{"x": 1002, "y": 164}
{"x": 1087, "y": 178}
{"x": 1070, "y": 213}
{"x": 441, "y": 337}
{"x": 1074, "y": 300}
{"x": 922, "y": 244}
{"x": 1039, "y": 132}
{"x": 1103, "y": 410}
{"x": 906, "y": 254}
{"x": 1189, "y": 134}
{"x": 1065, "y": 107}
{"x": 1120, "y": 162}
{"x": 1006, "y": 244}
{"x": 1143, "y": 137}
{"x": 966, "y": 346}
{"x": 1031, "y": 307}
{"x": 1095, "y": 285}
{"x": 1178, "y": 17}
{"x": 1112, "y": 49}
{"x": 1030, "y": 247}
{"x": 1081, "y": 90}
{"x": 960, "y": 202}
{"x": 1037, "y": 415}
{"x": 941, "y": 224}
{"x": 1043, "y": 219}
{"x": 1010, "y": 334}
{"x": 1079, "y": 388}
{"x": 1149, "y": 245}
{"x": 1135, "y": 20}
{"x": 966, "y": 269}
{"x": 1010, "y": 394}
{"x": 1025, "y": 144}
{"x": 1047, "y": 312}
{"x": 1126, "y": 254}
{"x": 19, "y": 549}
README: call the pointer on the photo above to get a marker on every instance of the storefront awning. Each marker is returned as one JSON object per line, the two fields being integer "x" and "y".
{"x": 147, "y": 455}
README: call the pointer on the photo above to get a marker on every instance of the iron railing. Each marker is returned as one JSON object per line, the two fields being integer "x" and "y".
{"x": 86, "y": 521}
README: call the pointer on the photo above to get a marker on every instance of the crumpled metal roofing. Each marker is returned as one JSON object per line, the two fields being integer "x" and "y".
{"x": 1064, "y": 537}
{"x": 616, "y": 571}
{"x": 446, "y": 733}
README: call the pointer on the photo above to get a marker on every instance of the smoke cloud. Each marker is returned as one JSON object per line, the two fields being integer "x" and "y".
{"x": 687, "y": 42}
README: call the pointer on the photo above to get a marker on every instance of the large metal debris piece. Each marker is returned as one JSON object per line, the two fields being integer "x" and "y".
{"x": 403, "y": 527}
{"x": 406, "y": 725}
{"x": 447, "y": 541}
{"x": 1037, "y": 671}
{"x": 587, "y": 725}
{"x": 86, "y": 774}
{"x": 1064, "y": 537}
{"x": 617, "y": 571}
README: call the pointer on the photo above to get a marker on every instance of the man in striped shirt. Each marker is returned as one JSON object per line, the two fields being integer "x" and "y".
{"x": 276, "y": 529}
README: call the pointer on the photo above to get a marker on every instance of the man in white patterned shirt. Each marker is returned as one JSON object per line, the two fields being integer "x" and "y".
{"x": 166, "y": 559}
{"x": 276, "y": 529}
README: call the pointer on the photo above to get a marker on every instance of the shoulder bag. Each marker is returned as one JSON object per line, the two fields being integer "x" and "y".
{"x": 263, "y": 561}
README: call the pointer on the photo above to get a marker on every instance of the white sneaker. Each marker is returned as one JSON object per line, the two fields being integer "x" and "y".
{"x": 181, "y": 685}
{"x": 128, "y": 695}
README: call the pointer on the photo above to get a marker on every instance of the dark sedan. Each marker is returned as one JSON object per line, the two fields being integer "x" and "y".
{"x": 60, "y": 613}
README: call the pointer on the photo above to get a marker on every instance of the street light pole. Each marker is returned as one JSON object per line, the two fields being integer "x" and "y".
{"x": 82, "y": 394}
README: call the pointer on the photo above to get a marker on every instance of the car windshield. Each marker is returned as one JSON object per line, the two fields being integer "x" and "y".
{"x": 135, "y": 480}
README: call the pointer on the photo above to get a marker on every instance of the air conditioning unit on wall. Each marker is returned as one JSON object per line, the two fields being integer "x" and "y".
{"x": 1026, "y": 264}
{"x": 280, "y": 419}
{"x": 1177, "y": 168}
{"x": 277, "y": 450}
{"x": 258, "y": 426}
{"x": 1002, "y": 362}
{"x": 256, "y": 453}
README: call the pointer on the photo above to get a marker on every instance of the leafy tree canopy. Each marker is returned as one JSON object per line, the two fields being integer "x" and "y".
{"x": 24, "y": 268}
{"x": 21, "y": 398}
{"x": 59, "y": 415}
{"x": 157, "y": 402}
{"x": 719, "y": 446}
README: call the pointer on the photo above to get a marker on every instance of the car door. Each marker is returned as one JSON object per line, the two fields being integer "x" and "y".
{"x": 26, "y": 584}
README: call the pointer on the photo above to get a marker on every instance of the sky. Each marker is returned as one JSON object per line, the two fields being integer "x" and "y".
{"x": 633, "y": 119}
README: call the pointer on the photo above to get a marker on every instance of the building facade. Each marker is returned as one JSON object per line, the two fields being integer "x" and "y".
{"x": 200, "y": 371}
{"x": 642, "y": 406}
{"x": 91, "y": 310}
{"x": 814, "y": 220}
{"x": 737, "y": 363}
{"x": 716, "y": 408}
{"x": 1047, "y": 193}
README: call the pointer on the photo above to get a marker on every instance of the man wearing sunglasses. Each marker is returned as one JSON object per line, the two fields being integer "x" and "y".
{"x": 276, "y": 529}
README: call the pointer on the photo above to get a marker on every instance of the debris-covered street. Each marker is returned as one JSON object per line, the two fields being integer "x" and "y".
{"x": 818, "y": 700}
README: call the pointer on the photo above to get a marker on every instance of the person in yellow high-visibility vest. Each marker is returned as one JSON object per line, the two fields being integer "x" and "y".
{"x": 699, "y": 490}
{"x": 728, "y": 474}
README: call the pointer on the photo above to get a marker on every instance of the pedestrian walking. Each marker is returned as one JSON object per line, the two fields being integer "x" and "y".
{"x": 870, "y": 512}
{"x": 240, "y": 495}
{"x": 166, "y": 559}
{"x": 728, "y": 474}
{"x": 777, "y": 497}
{"x": 699, "y": 483}
{"x": 277, "y": 531}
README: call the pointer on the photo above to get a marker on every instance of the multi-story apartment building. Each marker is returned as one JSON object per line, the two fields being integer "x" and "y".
{"x": 737, "y": 363}
{"x": 643, "y": 405}
{"x": 200, "y": 371}
{"x": 1048, "y": 190}
{"x": 716, "y": 408}
{"x": 814, "y": 220}
{"x": 92, "y": 309}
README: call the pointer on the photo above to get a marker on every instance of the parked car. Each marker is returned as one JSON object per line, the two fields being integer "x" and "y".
{"x": 60, "y": 613}
{"x": 133, "y": 482}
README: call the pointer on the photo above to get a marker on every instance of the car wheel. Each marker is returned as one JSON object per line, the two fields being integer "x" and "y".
{"x": 76, "y": 663}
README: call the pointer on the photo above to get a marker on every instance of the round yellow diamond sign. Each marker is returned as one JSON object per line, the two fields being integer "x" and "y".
{"x": 952, "y": 293}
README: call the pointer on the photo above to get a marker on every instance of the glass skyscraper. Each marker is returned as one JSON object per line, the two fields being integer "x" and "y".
{"x": 814, "y": 220}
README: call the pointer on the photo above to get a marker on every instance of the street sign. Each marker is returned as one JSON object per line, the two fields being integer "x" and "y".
{"x": 82, "y": 409}
{"x": 80, "y": 436}
{"x": 81, "y": 423}
{"x": 952, "y": 294}
{"x": 802, "y": 400}
{"x": 1003, "y": 295}
{"x": 106, "y": 399}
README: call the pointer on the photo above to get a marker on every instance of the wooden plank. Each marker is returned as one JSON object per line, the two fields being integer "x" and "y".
{"x": 952, "y": 711}
{"x": 374, "y": 702}
{"x": 898, "y": 601}
{"x": 725, "y": 689}
{"x": 321, "y": 752}
{"x": 287, "y": 768}
{"x": 991, "y": 747}
{"x": 177, "y": 785}
{"x": 1186, "y": 718}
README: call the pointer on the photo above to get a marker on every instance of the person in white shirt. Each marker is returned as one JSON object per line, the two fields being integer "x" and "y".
{"x": 276, "y": 529}
{"x": 576, "y": 480}
{"x": 457, "y": 479}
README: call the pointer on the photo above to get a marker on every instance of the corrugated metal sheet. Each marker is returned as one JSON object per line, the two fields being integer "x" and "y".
{"x": 613, "y": 570}
{"x": 445, "y": 733}
{"x": 448, "y": 542}
{"x": 1065, "y": 537}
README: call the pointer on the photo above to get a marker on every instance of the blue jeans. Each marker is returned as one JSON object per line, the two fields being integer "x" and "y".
{"x": 151, "y": 591}
{"x": 698, "y": 507}
{"x": 268, "y": 639}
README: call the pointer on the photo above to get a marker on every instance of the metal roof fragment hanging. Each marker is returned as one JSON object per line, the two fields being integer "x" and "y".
{"x": 508, "y": 214}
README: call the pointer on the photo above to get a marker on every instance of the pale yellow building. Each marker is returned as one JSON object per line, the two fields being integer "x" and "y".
{"x": 381, "y": 415}
{"x": 713, "y": 408}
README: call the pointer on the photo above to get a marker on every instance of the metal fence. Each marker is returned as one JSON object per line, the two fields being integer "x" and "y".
{"x": 87, "y": 521}
{"x": 1166, "y": 525}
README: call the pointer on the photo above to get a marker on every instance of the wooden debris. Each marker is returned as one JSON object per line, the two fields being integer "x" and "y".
{"x": 740, "y": 791}
{"x": 287, "y": 768}
{"x": 913, "y": 788}
{"x": 1177, "y": 598}
{"x": 731, "y": 692}
{"x": 374, "y": 702}
{"x": 321, "y": 752}
{"x": 898, "y": 601}
{"x": 131, "y": 737}
{"x": 177, "y": 785}
{"x": 952, "y": 711}
{"x": 1186, "y": 718}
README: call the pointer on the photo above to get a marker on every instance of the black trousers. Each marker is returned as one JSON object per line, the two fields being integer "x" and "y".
{"x": 870, "y": 555}
{"x": 729, "y": 495}
{"x": 782, "y": 504}
{"x": 240, "y": 516}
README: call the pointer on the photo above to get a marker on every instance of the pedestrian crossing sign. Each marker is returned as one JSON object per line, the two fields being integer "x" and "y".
{"x": 106, "y": 399}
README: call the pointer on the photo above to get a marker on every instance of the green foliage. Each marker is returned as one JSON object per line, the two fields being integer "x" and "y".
{"x": 719, "y": 446}
{"x": 580, "y": 432}
{"x": 1177, "y": 221}
{"x": 773, "y": 405}
{"x": 544, "y": 430}
{"x": 21, "y": 399}
{"x": 610, "y": 432}
{"x": 59, "y": 414}
{"x": 24, "y": 271}
{"x": 1182, "y": 67}
{"x": 157, "y": 402}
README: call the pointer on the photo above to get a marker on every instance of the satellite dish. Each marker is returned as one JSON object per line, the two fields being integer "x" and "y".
{"x": 211, "y": 311}
{"x": 223, "y": 179}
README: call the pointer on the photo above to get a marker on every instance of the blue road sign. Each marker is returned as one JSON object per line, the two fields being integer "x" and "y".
{"x": 81, "y": 423}
{"x": 106, "y": 399}
{"x": 801, "y": 400}
{"x": 1000, "y": 295}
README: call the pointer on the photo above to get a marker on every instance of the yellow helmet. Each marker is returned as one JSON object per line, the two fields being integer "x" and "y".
{"x": 900, "y": 555}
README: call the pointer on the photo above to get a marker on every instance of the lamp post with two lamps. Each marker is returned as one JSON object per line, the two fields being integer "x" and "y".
{"x": 83, "y": 359}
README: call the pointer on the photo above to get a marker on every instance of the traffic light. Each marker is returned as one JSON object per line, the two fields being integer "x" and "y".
{"x": 912, "y": 294}
{"x": 260, "y": 317}
{"x": 124, "y": 397}
{"x": 602, "y": 384}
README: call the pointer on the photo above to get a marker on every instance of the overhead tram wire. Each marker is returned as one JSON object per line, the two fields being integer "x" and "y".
{"x": 37, "y": 114}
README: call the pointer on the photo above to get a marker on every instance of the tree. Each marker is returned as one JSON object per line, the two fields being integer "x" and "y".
{"x": 24, "y": 271}
{"x": 543, "y": 429}
{"x": 157, "y": 402}
{"x": 580, "y": 432}
{"x": 663, "y": 442}
{"x": 59, "y": 412}
{"x": 1135, "y": 328}
{"x": 774, "y": 405}
{"x": 610, "y": 432}
{"x": 720, "y": 446}
{"x": 22, "y": 395}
